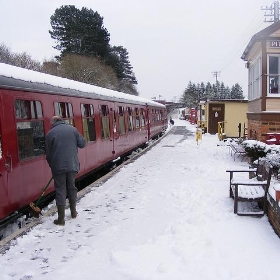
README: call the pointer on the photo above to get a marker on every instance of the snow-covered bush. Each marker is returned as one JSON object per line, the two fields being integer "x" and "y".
{"x": 273, "y": 157}
{"x": 255, "y": 149}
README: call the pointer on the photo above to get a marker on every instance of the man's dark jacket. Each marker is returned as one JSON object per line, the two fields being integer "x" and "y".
{"x": 62, "y": 143}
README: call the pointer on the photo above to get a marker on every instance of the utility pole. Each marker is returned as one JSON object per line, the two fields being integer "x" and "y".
{"x": 216, "y": 74}
{"x": 273, "y": 12}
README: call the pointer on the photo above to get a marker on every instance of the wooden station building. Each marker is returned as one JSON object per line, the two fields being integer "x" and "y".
{"x": 262, "y": 56}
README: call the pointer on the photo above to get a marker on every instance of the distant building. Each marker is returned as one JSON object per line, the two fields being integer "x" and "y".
{"x": 229, "y": 113}
{"x": 262, "y": 56}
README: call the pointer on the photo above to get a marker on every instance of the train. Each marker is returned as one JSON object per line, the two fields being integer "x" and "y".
{"x": 113, "y": 124}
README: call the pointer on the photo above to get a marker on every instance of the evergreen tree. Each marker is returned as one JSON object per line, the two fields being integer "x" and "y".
{"x": 190, "y": 96}
{"x": 227, "y": 93}
{"x": 236, "y": 92}
{"x": 79, "y": 31}
{"x": 118, "y": 59}
{"x": 194, "y": 93}
{"x": 208, "y": 90}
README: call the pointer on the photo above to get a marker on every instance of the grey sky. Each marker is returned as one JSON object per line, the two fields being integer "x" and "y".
{"x": 169, "y": 42}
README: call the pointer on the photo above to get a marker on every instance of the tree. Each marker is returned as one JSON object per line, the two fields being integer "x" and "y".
{"x": 50, "y": 67}
{"x": 6, "y": 55}
{"x": 90, "y": 70}
{"x": 119, "y": 60}
{"x": 196, "y": 92}
{"x": 190, "y": 96}
{"x": 23, "y": 60}
{"x": 236, "y": 92}
{"x": 79, "y": 31}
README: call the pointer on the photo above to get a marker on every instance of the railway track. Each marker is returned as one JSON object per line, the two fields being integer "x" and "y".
{"x": 32, "y": 222}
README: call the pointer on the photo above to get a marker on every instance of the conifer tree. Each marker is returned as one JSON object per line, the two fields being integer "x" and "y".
{"x": 79, "y": 31}
{"x": 236, "y": 92}
{"x": 118, "y": 59}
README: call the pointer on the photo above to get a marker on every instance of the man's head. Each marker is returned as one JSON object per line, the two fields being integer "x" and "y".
{"x": 55, "y": 119}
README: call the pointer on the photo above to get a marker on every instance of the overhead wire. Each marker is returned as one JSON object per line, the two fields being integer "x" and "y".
{"x": 255, "y": 25}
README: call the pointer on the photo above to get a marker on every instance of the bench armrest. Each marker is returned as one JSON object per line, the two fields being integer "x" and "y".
{"x": 247, "y": 183}
{"x": 242, "y": 170}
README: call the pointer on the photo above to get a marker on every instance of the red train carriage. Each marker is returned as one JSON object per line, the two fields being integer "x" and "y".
{"x": 113, "y": 124}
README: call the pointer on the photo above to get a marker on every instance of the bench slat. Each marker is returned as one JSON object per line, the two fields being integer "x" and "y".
{"x": 250, "y": 190}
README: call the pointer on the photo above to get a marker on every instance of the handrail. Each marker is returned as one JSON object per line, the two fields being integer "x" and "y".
{"x": 221, "y": 129}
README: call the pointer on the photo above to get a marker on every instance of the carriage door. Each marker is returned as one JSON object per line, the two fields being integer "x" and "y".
{"x": 216, "y": 114}
{"x": 5, "y": 168}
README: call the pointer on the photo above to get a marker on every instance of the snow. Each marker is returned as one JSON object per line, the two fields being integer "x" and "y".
{"x": 42, "y": 78}
{"x": 166, "y": 215}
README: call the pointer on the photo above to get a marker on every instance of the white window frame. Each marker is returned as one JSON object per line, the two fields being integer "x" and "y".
{"x": 255, "y": 81}
{"x": 271, "y": 76}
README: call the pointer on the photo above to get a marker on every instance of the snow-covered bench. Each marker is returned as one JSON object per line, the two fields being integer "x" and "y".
{"x": 251, "y": 190}
{"x": 237, "y": 149}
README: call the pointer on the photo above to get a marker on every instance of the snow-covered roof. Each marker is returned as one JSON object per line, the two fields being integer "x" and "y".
{"x": 19, "y": 78}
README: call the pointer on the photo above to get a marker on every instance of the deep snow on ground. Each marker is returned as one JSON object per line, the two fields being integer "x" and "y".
{"x": 166, "y": 215}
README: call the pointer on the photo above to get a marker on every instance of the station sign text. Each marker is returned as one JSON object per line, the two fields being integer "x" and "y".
{"x": 275, "y": 44}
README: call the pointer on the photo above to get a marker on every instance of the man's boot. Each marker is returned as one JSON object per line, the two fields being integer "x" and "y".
{"x": 73, "y": 210}
{"x": 61, "y": 216}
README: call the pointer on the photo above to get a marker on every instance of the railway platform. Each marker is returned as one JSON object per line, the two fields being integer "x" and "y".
{"x": 165, "y": 215}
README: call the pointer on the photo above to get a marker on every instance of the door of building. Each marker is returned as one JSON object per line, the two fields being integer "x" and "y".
{"x": 216, "y": 114}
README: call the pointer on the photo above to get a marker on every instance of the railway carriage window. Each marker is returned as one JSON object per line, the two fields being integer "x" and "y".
{"x": 142, "y": 117}
{"x": 130, "y": 119}
{"x": 157, "y": 115}
{"x": 114, "y": 121}
{"x": 153, "y": 115}
{"x": 105, "y": 121}
{"x": 22, "y": 109}
{"x": 137, "y": 118}
{"x": 30, "y": 128}
{"x": 65, "y": 111}
{"x": 121, "y": 120}
{"x": 88, "y": 122}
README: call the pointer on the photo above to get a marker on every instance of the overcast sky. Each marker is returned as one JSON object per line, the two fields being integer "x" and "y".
{"x": 169, "y": 42}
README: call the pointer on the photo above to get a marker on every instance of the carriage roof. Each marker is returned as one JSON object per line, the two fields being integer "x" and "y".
{"x": 23, "y": 79}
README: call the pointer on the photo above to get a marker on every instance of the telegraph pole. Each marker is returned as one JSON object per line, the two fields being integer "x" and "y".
{"x": 216, "y": 74}
{"x": 273, "y": 12}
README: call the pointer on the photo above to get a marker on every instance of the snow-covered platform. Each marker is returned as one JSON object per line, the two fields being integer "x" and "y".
{"x": 166, "y": 215}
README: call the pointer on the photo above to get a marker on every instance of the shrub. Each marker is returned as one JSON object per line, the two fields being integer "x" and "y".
{"x": 255, "y": 149}
{"x": 274, "y": 159}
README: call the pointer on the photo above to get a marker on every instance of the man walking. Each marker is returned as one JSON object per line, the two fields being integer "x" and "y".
{"x": 62, "y": 143}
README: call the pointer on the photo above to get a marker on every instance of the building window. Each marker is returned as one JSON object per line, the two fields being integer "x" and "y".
{"x": 255, "y": 73}
{"x": 88, "y": 122}
{"x": 65, "y": 111}
{"x": 30, "y": 128}
{"x": 121, "y": 120}
{"x": 105, "y": 121}
{"x": 273, "y": 73}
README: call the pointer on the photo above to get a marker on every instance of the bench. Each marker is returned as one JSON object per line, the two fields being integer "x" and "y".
{"x": 251, "y": 190}
{"x": 237, "y": 149}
